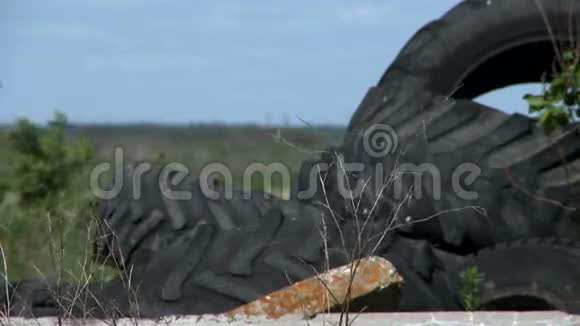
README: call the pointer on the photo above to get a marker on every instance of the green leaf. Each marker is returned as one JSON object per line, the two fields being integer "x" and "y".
{"x": 470, "y": 280}
{"x": 558, "y": 88}
{"x": 568, "y": 55}
{"x": 561, "y": 117}
{"x": 557, "y": 80}
{"x": 553, "y": 117}
{"x": 544, "y": 119}
{"x": 536, "y": 102}
{"x": 577, "y": 76}
{"x": 559, "y": 104}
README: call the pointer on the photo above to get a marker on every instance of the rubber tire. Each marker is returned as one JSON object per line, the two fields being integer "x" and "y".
{"x": 143, "y": 219}
{"x": 203, "y": 269}
{"x": 526, "y": 187}
{"x": 479, "y": 46}
{"x": 545, "y": 269}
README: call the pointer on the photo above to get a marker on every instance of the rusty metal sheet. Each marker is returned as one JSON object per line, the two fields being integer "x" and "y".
{"x": 328, "y": 291}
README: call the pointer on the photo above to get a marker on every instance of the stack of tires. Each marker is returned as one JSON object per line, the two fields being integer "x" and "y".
{"x": 521, "y": 227}
{"x": 514, "y": 218}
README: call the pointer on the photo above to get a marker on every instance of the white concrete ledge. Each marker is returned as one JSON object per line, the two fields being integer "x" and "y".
{"x": 374, "y": 319}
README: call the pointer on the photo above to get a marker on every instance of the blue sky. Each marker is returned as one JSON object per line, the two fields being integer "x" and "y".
{"x": 180, "y": 61}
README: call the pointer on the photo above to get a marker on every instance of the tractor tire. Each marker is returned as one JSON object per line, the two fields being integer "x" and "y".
{"x": 464, "y": 176}
{"x": 211, "y": 270}
{"x": 204, "y": 269}
{"x": 533, "y": 274}
{"x": 481, "y": 45}
{"x": 142, "y": 218}
{"x": 526, "y": 183}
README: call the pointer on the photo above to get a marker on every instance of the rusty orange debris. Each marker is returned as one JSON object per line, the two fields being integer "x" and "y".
{"x": 327, "y": 291}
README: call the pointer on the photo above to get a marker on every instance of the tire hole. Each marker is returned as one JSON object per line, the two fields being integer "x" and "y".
{"x": 510, "y": 99}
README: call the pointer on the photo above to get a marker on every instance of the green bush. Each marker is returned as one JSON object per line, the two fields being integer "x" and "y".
{"x": 41, "y": 161}
{"x": 559, "y": 104}
{"x": 47, "y": 219}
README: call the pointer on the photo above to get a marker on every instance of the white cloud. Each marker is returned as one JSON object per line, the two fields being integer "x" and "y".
{"x": 154, "y": 62}
{"x": 364, "y": 14}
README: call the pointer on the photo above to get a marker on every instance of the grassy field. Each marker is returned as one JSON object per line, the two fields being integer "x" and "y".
{"x": 53, "y": 237}
{"x": 195, "y": 146}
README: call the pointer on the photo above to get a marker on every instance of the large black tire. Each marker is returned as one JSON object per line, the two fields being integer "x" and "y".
{"x": 529, "y": 183}
{"x": 147, "y": 219}
{"x": 202, "y": 268}
{"x": 533, "y": 274}
{"x": 482, "y": 45}
{"x": 524, "y": 187}
{"x": 211, "y": 270}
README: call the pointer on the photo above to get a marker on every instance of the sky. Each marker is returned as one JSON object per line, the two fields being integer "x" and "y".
{"x": 204, "y": 61}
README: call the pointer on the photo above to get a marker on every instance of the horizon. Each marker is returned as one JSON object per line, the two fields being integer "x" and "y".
{"x": 72, "y": 124}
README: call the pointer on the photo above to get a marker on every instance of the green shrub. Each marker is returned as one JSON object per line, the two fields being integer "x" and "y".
{"x": 470, "y": 283}
{"x": 41, "y": 161}
{"x": 47, "y": 216}
{"x": 559, "y": 104}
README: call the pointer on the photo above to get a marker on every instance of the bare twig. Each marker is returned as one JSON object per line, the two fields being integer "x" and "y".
{"x": 535, "y": 196}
